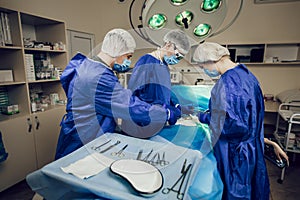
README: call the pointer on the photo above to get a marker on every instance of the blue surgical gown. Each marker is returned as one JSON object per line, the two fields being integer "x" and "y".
{"x": 150, "y": 81}
{"x": 236, "y": 122}
{"x": 95, "y": 100}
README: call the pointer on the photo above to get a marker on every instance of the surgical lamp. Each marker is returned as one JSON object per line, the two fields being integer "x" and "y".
{"x": 200, "y": 19}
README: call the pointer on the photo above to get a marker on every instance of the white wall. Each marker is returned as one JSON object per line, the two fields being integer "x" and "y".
{"x": 257, "y": 23}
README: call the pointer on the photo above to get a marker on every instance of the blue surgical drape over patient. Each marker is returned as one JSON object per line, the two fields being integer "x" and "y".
{"x": 95, "y": 100}
{"x": 236, "y": 122}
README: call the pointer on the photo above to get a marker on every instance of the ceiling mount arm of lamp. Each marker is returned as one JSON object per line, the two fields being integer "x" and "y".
{"x": 232, "y": 21}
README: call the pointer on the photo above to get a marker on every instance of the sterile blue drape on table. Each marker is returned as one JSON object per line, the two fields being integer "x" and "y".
{"x": 206, "y": 181}
{"x": 197, "y": 138}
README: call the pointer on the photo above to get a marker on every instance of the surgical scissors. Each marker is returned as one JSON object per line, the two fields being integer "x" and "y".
{"x": 98, "y": 147}
{"x": 182, "y": 178}
{"x": 120, "y": 152}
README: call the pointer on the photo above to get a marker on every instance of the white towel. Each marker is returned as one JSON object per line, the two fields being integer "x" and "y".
{"x": 88, "y": 166}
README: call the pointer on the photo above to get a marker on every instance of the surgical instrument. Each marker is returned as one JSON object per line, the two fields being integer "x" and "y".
{"x": 182, "y": 178}
{"x": 139, "y": 155}
{"x": 162, "y": 162}
{"x": 98, "y": 147}
{"x": 151, "y": 162}
{"x": 186, "y": 183}
{"x": 183, "y": 167}
{"x": 120, "y": 152}
{"x": 111, "y": 146}
{"x": 147, "y": 156}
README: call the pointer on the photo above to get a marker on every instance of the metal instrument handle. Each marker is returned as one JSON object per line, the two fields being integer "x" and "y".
{"x": 37, "y": 122}
{"x": 29, "y": 125}
{"x": 111, "y": 146}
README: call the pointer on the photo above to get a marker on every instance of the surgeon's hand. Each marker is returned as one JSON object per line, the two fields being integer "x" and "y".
{"x": 203, "y": 117}
{"x": 173, "y": 114}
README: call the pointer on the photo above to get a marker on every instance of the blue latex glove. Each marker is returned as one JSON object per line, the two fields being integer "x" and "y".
{"x": 203, "y": 117}
{"x": 173, "y": 114}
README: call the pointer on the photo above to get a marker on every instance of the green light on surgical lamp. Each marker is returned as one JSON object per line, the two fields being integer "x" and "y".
{"x": 202, "y": 30}
{"x": 210, "y": 5}
{"x": 178, "y": 2}
{"x": 157, "y": 21}
{"x": 184, "y": 18}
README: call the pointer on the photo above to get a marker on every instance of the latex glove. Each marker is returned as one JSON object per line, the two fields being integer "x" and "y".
{"x": 173, "y": 114}
{"x": 203, "y": 117}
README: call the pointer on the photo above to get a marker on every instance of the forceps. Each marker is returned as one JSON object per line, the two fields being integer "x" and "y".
{"x": 120, "y": 153}
{"x": 147, "y": 156}
{"x": 151, "y": 162}
{"x": 162, "y": 161}
{"x": 98, "y": 147}
{"x": 111, "y": 146}
{"x": 182, "y": 178}
{"x": 139, "y": 155}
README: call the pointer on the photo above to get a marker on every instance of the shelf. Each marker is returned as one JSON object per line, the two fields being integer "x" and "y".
{"x": 281, "y": 144}
{"x": 4, "y": 117}
{"x": 44, "y": 50}
{"x": 43, "y": 62}
{"x": 10, "y": 48}
{"x": 44, "y": 81}
{"x": 49, "y": 107}
{"x": 247, "y": 53}
{"x": 11, "y": 83}
{"x": 273, "y": 64}
{"x": 265, "y": 54}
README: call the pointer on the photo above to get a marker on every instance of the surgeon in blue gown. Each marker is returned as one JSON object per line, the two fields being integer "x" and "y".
{"x": 235, "y": 118}
{"x": 96, "y": 99}
{"x": 150, "y": 79}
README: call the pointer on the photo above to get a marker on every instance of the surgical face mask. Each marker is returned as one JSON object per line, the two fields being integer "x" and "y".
{"x": 171, "y": 60}
{"x": 122, "y": 67}
{"x": 212, "y": 73}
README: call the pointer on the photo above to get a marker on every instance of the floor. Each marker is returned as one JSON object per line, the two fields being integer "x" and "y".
{"x": 288, "y": 190}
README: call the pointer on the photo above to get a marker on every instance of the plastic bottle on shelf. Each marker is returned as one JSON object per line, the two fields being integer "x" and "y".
{"x": 33, "y": 107}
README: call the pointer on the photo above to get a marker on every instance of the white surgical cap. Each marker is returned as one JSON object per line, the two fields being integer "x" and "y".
{"x": 209, "y": 51}
{"x": 118, "y": 42}
{"x": 180, "y": 40}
